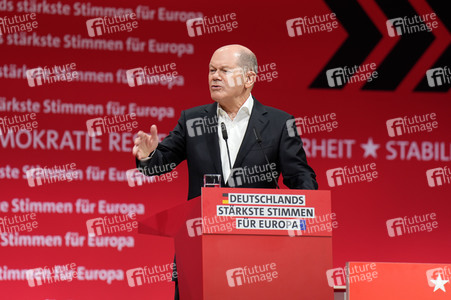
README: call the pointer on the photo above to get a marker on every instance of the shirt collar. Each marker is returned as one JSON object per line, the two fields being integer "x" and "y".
{"x": 246, "y": 108}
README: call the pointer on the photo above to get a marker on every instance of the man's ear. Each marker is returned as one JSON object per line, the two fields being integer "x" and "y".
{"x": 250, "y": 79}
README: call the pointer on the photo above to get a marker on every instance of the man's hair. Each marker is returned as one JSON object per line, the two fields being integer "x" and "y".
{"x": 248, "y": 61}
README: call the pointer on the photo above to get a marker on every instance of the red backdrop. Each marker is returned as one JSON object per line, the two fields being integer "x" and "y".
{"x": 298, "y": 86}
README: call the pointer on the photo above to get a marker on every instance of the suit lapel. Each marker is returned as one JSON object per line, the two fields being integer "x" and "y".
{"x": 259, "y": 121}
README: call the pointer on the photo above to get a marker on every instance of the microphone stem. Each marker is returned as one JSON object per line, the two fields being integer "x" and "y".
{"x": 259, "y": 142}
{"x": 261, "y": 147}
{"x": 228, "y": 154}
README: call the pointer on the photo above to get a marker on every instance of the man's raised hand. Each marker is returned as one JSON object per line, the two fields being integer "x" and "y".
{"x": 145, "y": 143}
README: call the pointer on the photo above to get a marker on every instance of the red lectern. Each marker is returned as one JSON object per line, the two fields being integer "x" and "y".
{"x": 255, "y": 244}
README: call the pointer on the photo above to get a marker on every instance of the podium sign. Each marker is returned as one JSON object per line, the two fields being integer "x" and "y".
{"x": 266, "y": 212}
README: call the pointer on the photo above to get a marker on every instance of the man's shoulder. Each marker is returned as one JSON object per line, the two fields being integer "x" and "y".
{"x": 197, "y": 111}
{"x": 276, "y": 113}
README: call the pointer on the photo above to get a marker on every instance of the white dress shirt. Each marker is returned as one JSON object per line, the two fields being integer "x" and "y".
{"x": 236, "y": 129}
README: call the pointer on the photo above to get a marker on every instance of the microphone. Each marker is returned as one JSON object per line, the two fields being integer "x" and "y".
{"x": 259, "y": 141}
{"x": 225, "y": 136}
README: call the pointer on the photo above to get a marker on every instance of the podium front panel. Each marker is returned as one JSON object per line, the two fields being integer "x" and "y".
{"x": 266, "y": 267}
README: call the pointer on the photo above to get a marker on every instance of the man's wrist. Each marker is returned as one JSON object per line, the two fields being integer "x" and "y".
{"x": 150, "y": 156}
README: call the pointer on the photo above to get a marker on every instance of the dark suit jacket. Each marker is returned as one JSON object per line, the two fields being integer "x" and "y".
{"x": 195, "y": 139}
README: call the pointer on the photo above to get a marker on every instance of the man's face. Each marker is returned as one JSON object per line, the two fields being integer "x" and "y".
{"x": 225, "y": 78}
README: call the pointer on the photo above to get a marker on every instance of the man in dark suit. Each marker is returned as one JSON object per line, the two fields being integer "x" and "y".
{"x": 253, "y": 130}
